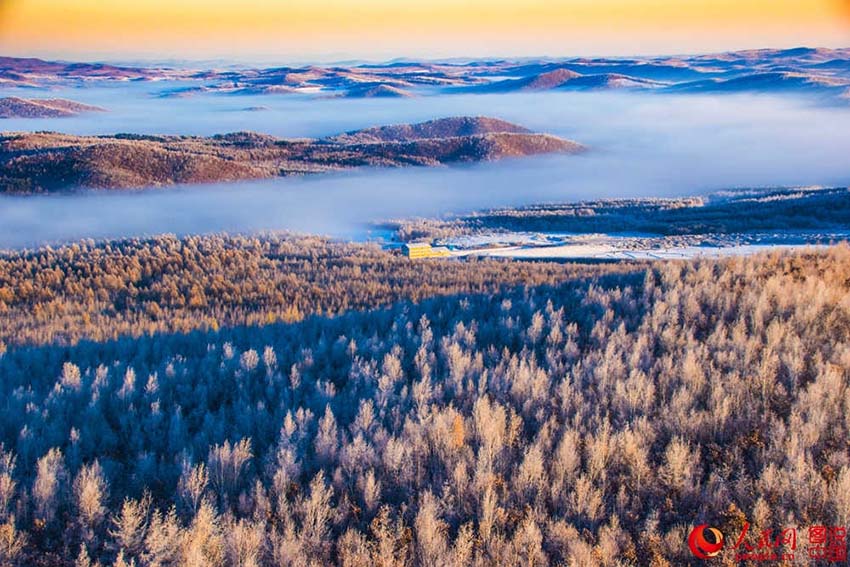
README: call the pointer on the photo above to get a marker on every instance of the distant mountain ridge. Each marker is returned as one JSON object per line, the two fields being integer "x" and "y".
{"x": 377, "y": 91}
{"x": 565, "y": 79}
{"x": 822, "y": 72}
{"x": 47, "y": 162}
{"x": 769, "y": 81}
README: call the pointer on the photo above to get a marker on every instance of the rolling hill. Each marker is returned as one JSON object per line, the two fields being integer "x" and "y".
{"x": 15, "y": 107}
{"x": 798, "y": 70}
{"x": 46, "y": 162}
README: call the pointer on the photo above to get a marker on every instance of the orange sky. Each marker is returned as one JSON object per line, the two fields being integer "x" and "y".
{"x": 323, "y": 29}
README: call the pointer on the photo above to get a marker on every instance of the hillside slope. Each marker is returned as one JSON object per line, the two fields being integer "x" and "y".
{"x": 440, "y": 128}
{"x": 45, "y": 162}
{"x": 16, "y": 107}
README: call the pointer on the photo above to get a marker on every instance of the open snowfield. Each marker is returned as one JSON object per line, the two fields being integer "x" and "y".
{"x": 528, "y": 246}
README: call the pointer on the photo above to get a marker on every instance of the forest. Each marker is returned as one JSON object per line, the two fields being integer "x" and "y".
{"x": 412, "y": 413}
{"x": 107, "y": 289}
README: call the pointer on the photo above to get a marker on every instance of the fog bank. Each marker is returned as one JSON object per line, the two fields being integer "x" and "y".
{"x": 641, "y": 145}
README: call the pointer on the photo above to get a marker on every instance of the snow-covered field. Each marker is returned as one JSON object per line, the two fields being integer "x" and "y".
{"x": 612, "y": 252}
{"x": 633, "y": 247}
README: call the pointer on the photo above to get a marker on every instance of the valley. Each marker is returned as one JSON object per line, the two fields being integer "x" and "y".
{"x": 518, "y": 311}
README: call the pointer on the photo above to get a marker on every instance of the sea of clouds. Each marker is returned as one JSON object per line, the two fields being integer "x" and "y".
{"x": 640, "y": 145}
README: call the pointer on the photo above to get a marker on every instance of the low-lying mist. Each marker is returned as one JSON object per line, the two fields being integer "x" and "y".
{"x": 641, "y": 145}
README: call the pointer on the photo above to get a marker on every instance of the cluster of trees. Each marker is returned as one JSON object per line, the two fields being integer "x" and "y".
{"x": 586, "y": 423}
{"x": 105, "y": 290}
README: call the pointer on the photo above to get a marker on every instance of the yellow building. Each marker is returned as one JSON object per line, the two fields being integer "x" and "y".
{"x": 424, "y": 250}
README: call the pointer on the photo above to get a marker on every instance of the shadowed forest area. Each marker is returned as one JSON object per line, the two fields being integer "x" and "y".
{"x": 487, "y": 412}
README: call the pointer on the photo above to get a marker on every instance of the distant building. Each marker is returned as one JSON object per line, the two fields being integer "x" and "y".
{"x": 424, "y": 250}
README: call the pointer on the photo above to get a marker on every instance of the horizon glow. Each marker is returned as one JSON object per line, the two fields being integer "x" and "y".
{"x": 257, "y": 30}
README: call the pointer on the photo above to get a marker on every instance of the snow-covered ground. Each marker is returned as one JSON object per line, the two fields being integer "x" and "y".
{"x": 633, "y": 247}
{"x": 612, "y": 252}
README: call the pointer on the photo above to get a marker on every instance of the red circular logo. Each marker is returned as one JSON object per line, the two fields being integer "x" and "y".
{"x": 705, "y": 542}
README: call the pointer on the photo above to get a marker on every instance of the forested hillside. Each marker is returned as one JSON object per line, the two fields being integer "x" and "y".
{"x": 44, "y": 162}
{"x": 588, "y": 422}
